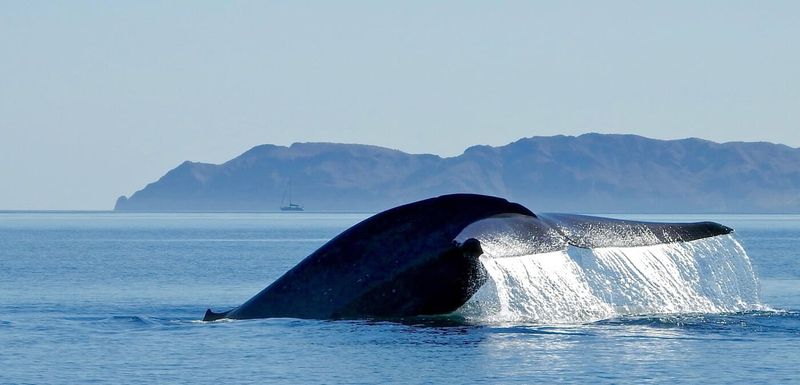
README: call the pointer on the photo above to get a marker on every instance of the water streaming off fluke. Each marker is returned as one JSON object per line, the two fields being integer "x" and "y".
{"x": 711, "y": 275}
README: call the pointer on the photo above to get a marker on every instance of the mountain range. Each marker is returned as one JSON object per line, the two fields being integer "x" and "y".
{"x": 590, "y": 173}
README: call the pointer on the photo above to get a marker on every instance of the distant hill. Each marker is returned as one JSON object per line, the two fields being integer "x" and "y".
{"x": 587, "y": 173}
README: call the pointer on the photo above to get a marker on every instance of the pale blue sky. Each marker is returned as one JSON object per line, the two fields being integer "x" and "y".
{"x": 99, "y": 98}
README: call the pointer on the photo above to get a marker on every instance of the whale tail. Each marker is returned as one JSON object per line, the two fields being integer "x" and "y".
{"x": 211, "y": 316}
{"x": 403, "y": 262}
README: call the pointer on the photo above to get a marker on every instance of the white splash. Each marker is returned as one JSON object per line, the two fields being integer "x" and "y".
{"x": 711, "y": 275}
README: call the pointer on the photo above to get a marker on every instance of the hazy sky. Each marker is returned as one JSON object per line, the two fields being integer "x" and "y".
{"x": 98, "y": 99}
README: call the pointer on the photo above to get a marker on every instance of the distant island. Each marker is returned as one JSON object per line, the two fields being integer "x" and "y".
{"x": 591, "y": 173}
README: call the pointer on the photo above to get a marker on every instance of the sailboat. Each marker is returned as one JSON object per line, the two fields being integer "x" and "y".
{"x": 291, "y": 206}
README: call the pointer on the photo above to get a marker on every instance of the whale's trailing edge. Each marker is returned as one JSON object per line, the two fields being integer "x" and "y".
{"x": 592, "y": 232}
{"x": 406, "y": 261}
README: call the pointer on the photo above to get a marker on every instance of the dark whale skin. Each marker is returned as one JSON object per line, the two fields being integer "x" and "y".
{"x": 401, "y": 262}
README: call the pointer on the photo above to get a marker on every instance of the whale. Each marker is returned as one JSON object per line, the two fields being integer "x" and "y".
{"x": 423, "y": 258}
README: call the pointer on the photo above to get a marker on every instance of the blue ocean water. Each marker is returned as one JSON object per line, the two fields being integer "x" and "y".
{"x": 116, "y": 298}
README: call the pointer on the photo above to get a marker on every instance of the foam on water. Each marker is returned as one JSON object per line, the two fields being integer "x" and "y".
{"x": 711, "y": 275}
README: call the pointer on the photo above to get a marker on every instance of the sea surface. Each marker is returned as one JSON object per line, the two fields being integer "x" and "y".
{"x": 103, "y": 297}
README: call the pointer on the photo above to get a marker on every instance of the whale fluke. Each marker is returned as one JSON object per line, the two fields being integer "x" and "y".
{"x": 590, "y": 232}
{"x": 423, "y": 258}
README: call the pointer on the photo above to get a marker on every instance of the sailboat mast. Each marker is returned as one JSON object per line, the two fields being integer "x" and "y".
{"x": 291, "y": 206}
